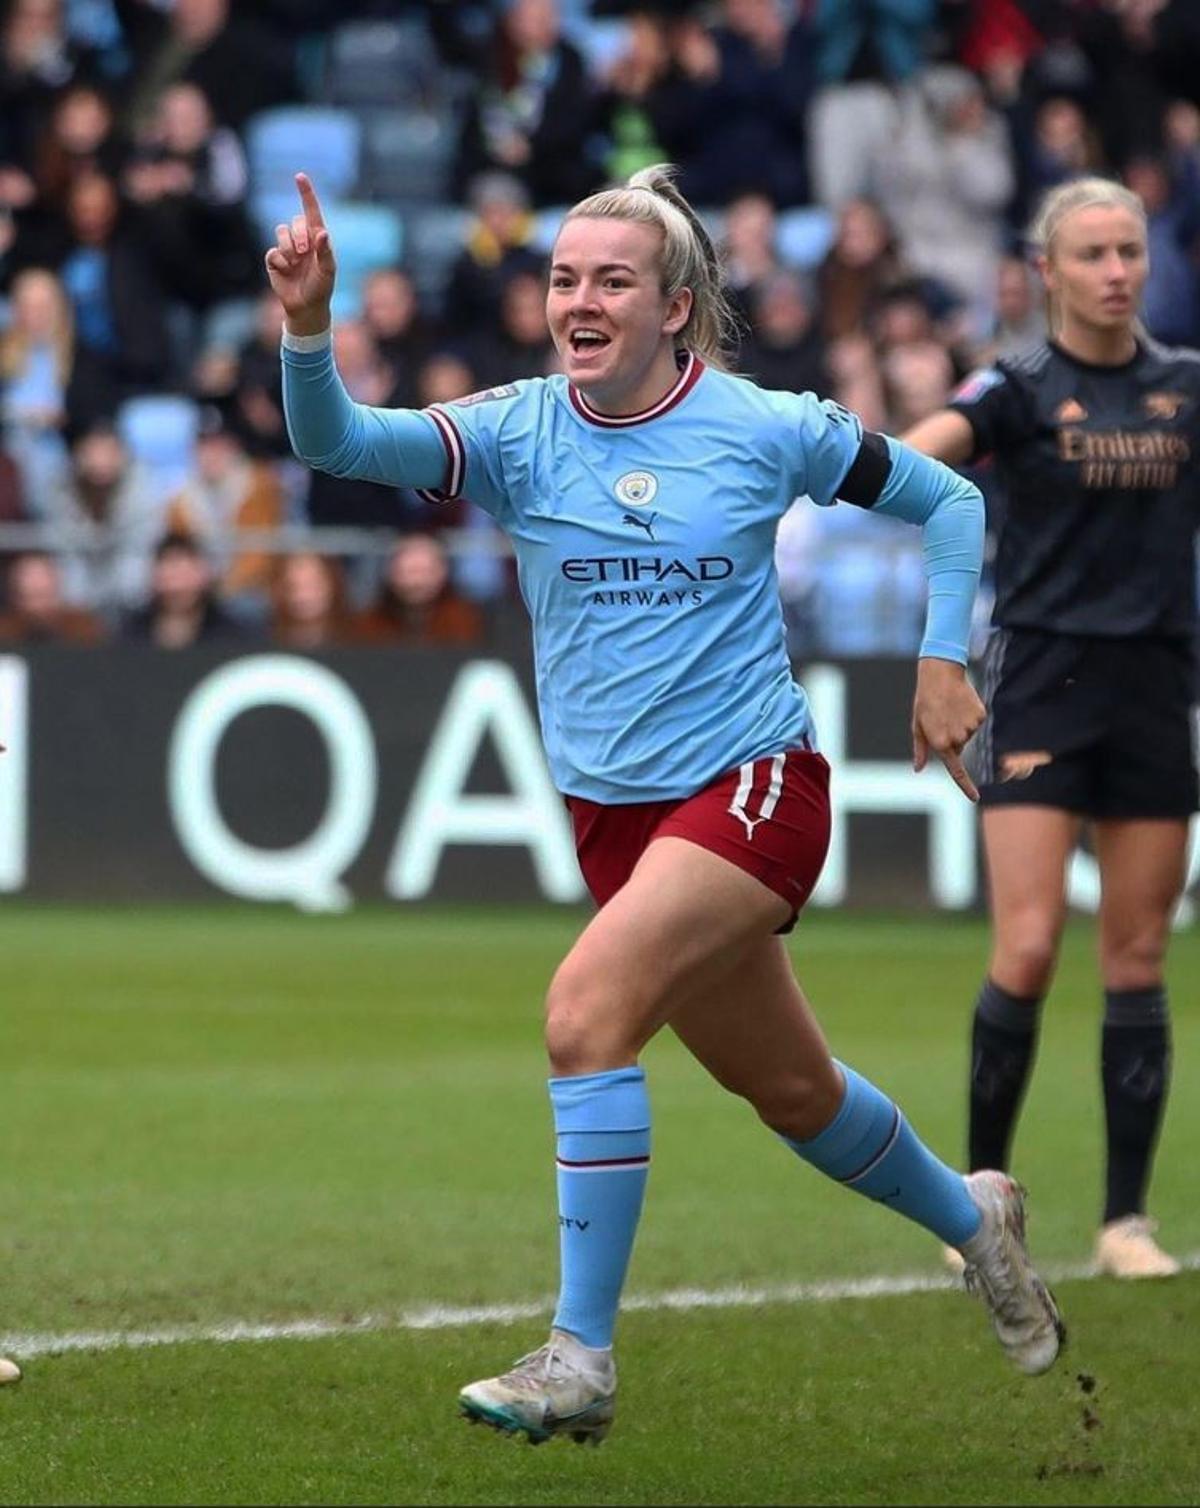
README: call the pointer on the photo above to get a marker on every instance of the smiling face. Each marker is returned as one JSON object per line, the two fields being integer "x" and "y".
{"x": 1095, "y": 267}
{"x": 610, "y": 320}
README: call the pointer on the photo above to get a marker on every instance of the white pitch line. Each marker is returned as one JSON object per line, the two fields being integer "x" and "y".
{"x": 28, "y": 1345}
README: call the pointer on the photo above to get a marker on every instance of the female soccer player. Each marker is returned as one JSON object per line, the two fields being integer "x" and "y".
{"x": 641, "y": 490}
{"x": 1089, "y": 678}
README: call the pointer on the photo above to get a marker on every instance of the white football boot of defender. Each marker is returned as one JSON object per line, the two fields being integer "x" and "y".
{"x": 9, "y": 1371}
{"x": 997, "y": 1268}
{"x": 562, "y": 1388}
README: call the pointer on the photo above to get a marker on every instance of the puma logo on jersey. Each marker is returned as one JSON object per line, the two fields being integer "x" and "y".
{"x": 646, "y": 524}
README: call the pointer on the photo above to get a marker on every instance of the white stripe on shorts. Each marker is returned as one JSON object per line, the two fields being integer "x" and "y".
{"x": 745, "y": 787}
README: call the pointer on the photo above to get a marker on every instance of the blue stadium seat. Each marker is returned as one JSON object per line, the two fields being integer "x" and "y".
{"x": 435, "y": 238}
{"x": 410, "y": 154}
{"x": 805, "y": 235}
{"x": 365, "y": 236}
{"x": 380, "y": 62}
{"x": 324, "y": 142}
{"x": 160, "y": 432}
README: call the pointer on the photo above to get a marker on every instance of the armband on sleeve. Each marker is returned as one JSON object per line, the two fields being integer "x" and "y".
{"x": 868, "y": 475}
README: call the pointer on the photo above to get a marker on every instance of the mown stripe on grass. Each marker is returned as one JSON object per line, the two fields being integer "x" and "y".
{"x": 448, "y": 1317}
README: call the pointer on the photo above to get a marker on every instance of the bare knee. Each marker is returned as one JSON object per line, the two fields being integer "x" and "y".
{"x": 1025, "y": 953}
{"x": 1131, "y": 956}
{"x": 797, "y": 1104}
{"x": 589, "y": 1028}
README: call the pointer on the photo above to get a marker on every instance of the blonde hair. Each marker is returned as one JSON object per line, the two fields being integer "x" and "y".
{"x": 688, "y": 258}
{"x": 14, "y": 343}
{"x": 1079, "y": 193}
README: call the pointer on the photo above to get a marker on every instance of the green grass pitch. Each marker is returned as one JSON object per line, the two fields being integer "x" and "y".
{"x": 220, "y": 1116}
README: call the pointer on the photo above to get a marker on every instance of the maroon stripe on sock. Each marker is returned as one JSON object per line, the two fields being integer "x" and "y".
{"x": 604, "y": 1162}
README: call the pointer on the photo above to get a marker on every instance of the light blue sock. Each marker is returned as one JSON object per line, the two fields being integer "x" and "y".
{"x": 871, "y": 1148}
{"x": 603, "y": 1126}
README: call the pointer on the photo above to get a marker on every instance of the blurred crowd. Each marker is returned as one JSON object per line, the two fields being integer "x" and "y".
{"x": 868, "y": 166}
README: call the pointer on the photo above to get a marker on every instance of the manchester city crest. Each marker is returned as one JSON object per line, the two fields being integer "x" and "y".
{"x": 636, "y": 489}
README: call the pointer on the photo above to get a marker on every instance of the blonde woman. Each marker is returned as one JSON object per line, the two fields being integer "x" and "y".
{"x": 1089, "y": 679}
{"x": 642, "y": 488}
{"x": 36, "y": 360}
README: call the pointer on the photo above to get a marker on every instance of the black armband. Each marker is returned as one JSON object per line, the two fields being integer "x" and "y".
{"x": 868, "y": 476}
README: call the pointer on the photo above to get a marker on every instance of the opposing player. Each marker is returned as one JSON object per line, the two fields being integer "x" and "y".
{"x": 1089, "y": 678}
{"x": 641, "y": 490}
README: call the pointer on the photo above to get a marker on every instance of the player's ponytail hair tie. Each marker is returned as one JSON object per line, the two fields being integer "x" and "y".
{"x": 689, "y": 257}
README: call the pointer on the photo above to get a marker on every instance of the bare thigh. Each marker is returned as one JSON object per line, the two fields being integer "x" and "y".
{"x": 1142, "y": 870}
{"x": 680, "y": 924}
{"x": 756, "y": 1034}
{"x": 1027, "y": 851}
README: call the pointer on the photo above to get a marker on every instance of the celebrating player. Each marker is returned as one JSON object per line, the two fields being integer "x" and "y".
{"x": 641, "y": 490}
{"x": 1089, "y": 679}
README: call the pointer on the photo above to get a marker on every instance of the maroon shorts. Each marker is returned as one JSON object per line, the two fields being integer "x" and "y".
{"x": 770, "y": 817}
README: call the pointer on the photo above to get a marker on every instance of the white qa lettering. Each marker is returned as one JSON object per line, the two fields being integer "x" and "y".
{"x": 486, "y": 699}
{"x": 308, "y": 873}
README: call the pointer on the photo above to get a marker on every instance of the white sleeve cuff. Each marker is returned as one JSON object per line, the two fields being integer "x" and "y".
{"x": 316, "y": 342}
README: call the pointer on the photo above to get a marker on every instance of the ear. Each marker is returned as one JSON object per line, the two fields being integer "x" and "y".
{"x": 678, "y": 311}
{"x": 1047, "y": 273}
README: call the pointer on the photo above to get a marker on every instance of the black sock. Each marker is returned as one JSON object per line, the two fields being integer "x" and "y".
{"x": 1136, "y": 1067}
{"x": 1003, "y": 1040}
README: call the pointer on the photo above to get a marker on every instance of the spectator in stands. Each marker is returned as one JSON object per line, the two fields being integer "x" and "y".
{"x": 36, "y": 358}
{"x": 257, "y": 387}
{"x": 917, "y": 379}
{"x": 187, "y": 180}
{"x": 521, "y": 346}
{"x": 497, "y": 245}
{"x": 117, "y": 300}
{"x": 532, "y": 110}
{"x": 392, "y": 314}
{"x": 37, "y": 59}
{"x": 1063, "y": 146}
{"x": 35, "y": 611}
{"x": 865, "y": 54}
{"x": 243, "y": 57}
{"x": 81, "y": 135}
{"x": 1171, "y": 301}
{"x": 227, "y": 494}
{"x": 106, "y": 515}
{"x": 634, "y": 98}
{"x": 856, "y": 378}
{"x": 753, "y": 79}
{"x": 309, "y": 607}
{"x": 1019, "y": 321}
{"x": 944, "y": 182}
{"x": 784, "y": 350}
{"x": 417, "y": 603}
{"x": 859, "y": 267}
{"x": 12, "y": 491}
{"x": 749, "y": 251}
{"x": 183, "y": 610}
{"x": 339, "y": 501}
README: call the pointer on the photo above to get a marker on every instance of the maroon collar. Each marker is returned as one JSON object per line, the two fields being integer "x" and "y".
{"x": 690, "y": 370}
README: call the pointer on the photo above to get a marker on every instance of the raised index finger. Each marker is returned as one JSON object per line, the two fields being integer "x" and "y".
{"x": 312, "y": 205}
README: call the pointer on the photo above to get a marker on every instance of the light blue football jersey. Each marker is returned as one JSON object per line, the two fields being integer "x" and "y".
{"x": 645, "y": 553}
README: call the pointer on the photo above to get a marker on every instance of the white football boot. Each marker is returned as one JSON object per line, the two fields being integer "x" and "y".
{"x": 9, "y": 1371}
{"x": 1024, "y": 1315}
{"x": 562, "y": 1388}
{"x": 1126, "y": 1248}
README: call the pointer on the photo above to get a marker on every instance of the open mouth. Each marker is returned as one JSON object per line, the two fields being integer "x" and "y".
{"x": 585, "y": 342}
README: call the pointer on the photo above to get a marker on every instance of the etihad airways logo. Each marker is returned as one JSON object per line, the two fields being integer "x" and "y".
{"x": 593, "y": 569}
